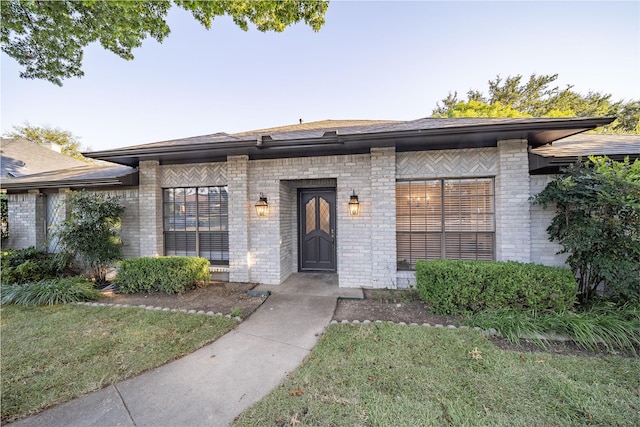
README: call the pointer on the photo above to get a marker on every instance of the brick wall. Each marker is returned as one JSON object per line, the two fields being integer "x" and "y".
{"x": 130, "y": 220}
{"x": 273, "y": 239}
{"x": 383, "y": 219}
{"x": 237, "y": 173}
{"x": 150, "y": 208}
{"x": 26, "y": 227}
{"x": 513, "y": 237}
{"x": 542, "y": 250}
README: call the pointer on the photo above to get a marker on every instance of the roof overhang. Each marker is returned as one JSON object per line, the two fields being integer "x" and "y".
{"x": 33, "y": 182}
{"x": 550, "y": 165}
{"x": 536, "y": 131}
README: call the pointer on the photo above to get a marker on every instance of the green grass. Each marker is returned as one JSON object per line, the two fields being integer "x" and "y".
{"x": 390, "y": 375}
{"x": 52, "y": 354}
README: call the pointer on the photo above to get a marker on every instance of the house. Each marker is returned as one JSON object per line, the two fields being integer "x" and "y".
{"x": 364, "y": 199}
{"x": 21, "y": 157}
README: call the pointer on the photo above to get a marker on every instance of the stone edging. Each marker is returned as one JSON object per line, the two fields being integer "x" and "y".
{"x": 486, "y": 332}
{"x": 171, "y": 310}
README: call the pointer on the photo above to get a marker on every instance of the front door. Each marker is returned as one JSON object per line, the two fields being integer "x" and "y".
{"x": 317, "y": 214}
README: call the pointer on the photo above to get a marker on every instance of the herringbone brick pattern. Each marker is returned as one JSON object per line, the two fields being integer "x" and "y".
{"x": 195, "y": 175}
{"x": 447, "y": 163}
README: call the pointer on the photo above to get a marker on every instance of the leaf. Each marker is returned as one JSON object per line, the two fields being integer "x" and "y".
{"x": 297, "y": 392}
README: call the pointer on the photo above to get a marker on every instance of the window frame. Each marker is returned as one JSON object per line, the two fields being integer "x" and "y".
{"x": 198, "y": 227}
{"x": 431, "y": 239}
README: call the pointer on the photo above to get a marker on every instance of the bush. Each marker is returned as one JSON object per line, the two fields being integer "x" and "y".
{"x": 597, "y": 223}
{"x": 50, "y": 291}
{"x": 462, "y": 287}
{"x": 614, "y": 327}
{"x": 32, "y": 265}
{"x": 91, "y": 231}
{"x": 169, "y": 274}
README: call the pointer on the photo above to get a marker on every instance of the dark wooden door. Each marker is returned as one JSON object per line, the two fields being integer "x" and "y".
{"x": 317, "y": 231}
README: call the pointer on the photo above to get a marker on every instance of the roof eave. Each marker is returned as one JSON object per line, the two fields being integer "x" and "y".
{"x": 121, "y": 181}
{"x": 536, "y": 132}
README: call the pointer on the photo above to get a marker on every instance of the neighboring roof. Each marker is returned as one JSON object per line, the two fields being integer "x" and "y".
{"x": 331, "y": 137}
{"x": 21, "y": 157}
{"x": 552, "y": 157}
{"x": 86, "y": 176}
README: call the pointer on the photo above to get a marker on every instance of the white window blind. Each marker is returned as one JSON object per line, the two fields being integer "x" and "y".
{"x": 196, "y": 222}
{"x": 450, "y": 218}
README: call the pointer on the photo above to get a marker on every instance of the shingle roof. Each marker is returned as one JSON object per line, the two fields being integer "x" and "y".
{"x": 87, "y": 175}
{"x": 331, "y": 137}
{"x": 587, "y": 144}
{"x": 551, "y": 158}
{"x": 21, "y": 157}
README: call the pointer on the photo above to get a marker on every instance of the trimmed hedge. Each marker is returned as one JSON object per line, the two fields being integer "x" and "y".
{"x": 168, "y": 274}
{"x": 462, "y": 287}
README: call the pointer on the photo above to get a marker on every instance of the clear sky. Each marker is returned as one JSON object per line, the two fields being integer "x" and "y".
{"x": 372, "y": 60}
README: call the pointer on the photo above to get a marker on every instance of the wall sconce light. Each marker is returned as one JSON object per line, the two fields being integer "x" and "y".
{"x": 354, "y": 205}
{"x": 262, "y": 207}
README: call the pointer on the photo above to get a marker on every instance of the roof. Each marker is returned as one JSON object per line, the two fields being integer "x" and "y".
{"x": 21, "y": 157}
{"x": 552, "y": 157}
{"x": 86, "y": 176}
{"x": 331, "y": 137}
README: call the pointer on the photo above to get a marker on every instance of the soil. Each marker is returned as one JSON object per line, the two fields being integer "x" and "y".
{"x": 219, "y": 297}
{"x": 384, "y": 305}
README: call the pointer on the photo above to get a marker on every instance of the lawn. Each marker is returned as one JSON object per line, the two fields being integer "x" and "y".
{"x": 391, "y": 375}
{"x": 52, "y": 354}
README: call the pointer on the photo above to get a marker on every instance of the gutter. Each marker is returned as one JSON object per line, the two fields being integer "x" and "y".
{"x": 538, "y": 132}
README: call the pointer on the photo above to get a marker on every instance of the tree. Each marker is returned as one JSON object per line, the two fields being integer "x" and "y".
{"x": 538, "y": 98}
{"x": 91, "y": 231}
{"x": 597, "y": 222}
{"x": 48, "y": 37}
{"x": 4, "y": 217}
{"x": 45, "y": 134}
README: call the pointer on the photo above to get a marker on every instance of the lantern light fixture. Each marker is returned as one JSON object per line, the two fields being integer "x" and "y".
{"x": 354, "y": 204}
{"x": 262, "y": 206}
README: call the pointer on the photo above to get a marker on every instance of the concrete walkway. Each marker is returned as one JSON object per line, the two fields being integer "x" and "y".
{"x": 213, "y": 385}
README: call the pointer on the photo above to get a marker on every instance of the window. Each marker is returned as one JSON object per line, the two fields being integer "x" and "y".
{"x": 196, "y": 222}
{"x": 444, "y": 218}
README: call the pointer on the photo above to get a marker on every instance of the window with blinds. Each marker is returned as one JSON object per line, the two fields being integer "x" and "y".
{"x": 196, "y": 222}
{"x": 445, "y": 219}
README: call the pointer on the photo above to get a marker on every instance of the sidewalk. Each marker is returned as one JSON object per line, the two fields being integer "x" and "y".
{"x": 213, "y": 385}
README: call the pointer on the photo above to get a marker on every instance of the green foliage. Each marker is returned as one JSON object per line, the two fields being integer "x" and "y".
{"x": 69, "y": 143}
{"x": 513, "y": 97}
{"x": 91, "y": 231}
{"x": 454, "y": 287}
{"x": 4, "y": 217}
{"x": 50, "y": 291}
{"x": 32, "y": 265}
{"x": 614, "y": 327}
{"x": 48, "y": 38}
{"x": 480, "y": 109}
{"x": 168, "y": 274}
{"x": 597, "y": 222}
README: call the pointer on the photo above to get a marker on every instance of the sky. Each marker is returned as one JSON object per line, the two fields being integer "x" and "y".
{"x": 371, "y": 60}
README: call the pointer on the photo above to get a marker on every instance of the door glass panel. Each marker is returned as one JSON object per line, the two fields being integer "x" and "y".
{"x": 310, "y": 213}
{"x": 325, "y": 215}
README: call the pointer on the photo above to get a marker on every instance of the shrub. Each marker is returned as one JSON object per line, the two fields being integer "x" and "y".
{"x": 454, "y": 287}
{"x": 32, "y": 265}
{"x": 92, "y": 231}
{"x": 597, "y": 223}
{"x": 169, "y": 274}
{"x": 50, "y": 291}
